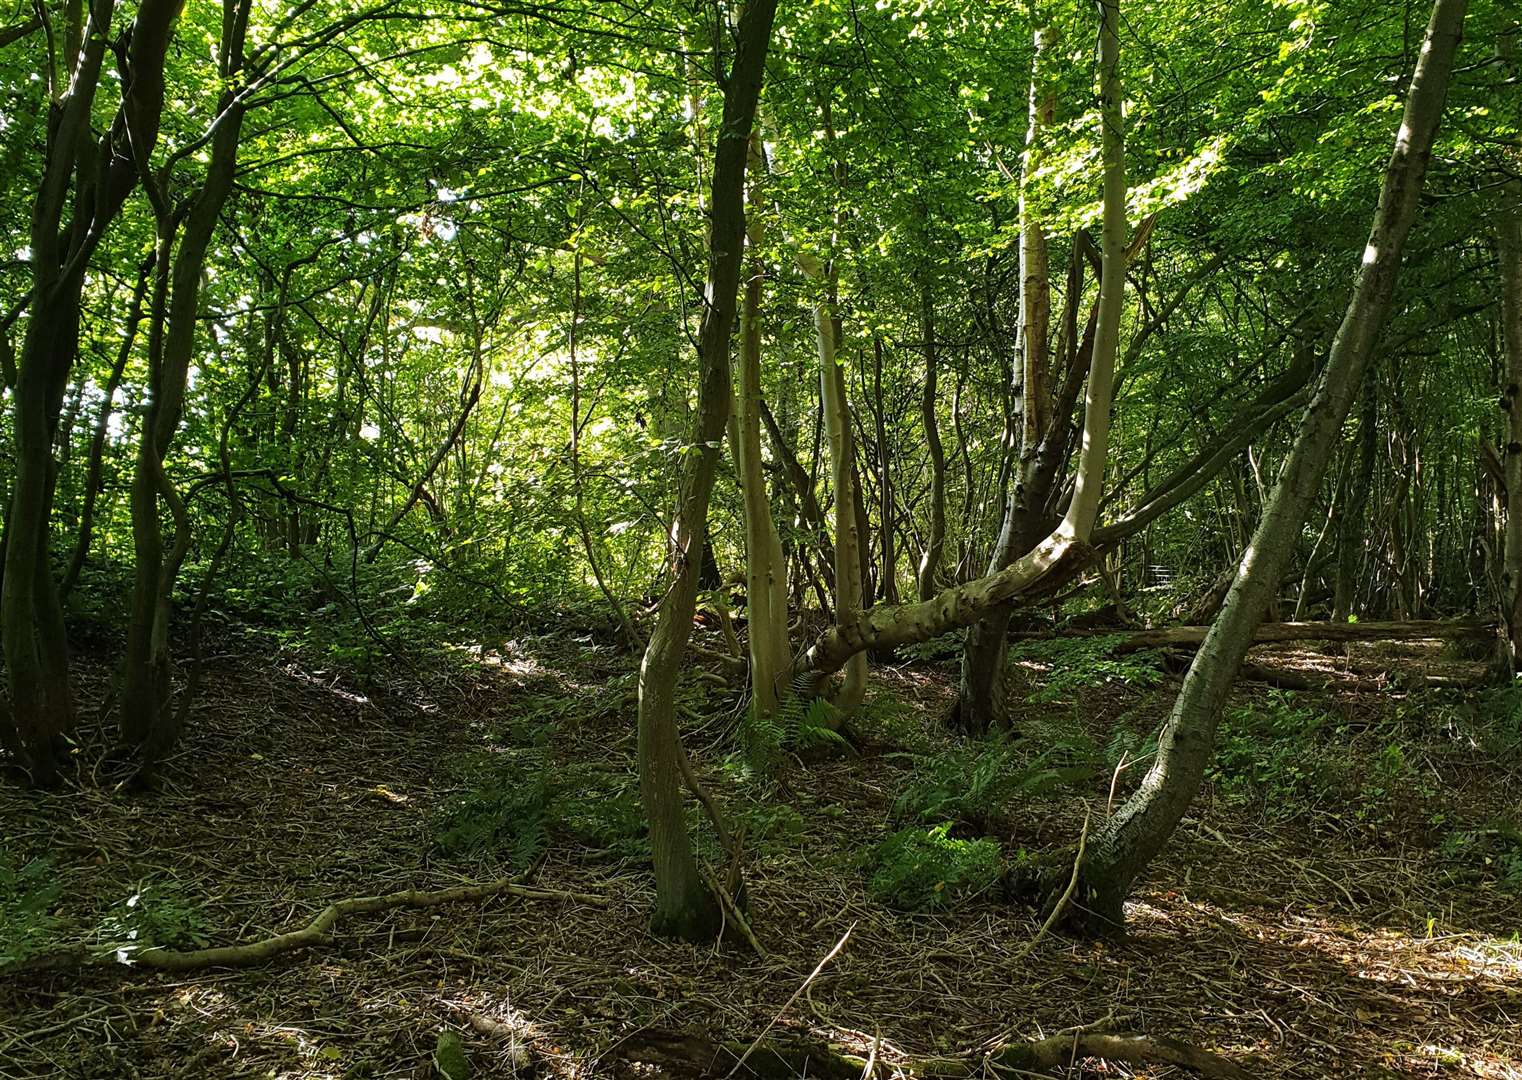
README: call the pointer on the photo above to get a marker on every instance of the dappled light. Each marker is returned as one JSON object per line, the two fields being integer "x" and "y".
{"x": 753, "y": 541}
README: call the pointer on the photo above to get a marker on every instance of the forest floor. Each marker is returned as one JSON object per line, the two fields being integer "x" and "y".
{"x": 1315, "y": 915}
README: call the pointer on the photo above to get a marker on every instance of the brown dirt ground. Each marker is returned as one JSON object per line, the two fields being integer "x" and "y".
{"x": 1330, "y": 944}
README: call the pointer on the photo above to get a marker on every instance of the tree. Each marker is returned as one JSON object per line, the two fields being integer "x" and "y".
{"x": 685, "y": 907}
{"x": 1120, "y": 850}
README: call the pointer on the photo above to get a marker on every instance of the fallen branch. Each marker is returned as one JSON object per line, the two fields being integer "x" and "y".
{"x": 1192, "y": 636}
{"x": 312, "y": 934}
{"x": 691, "y": 1054}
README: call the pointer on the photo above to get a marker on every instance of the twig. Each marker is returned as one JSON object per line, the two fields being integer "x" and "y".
{"x": 1067, "y": 894}
{"x": 789, "y": 1002}
{"x": 732, "y": 911}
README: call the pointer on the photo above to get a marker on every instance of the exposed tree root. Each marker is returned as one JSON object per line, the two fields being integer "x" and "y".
{"x": 316, "y": 932}
{"x": 689, "y": 1054}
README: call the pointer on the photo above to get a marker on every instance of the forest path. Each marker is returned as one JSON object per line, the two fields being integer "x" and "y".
{"x": 1316, "y": 914}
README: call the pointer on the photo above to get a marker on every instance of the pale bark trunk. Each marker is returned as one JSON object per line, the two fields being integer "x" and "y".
{"x": 684, "y": 905}
{"x": 1127, "y": 842}
{"x": 981, "y": 698}
{"x": 765, "y": 570}
{"x": 935, "y": 544}
{"x": 848, "y": 576}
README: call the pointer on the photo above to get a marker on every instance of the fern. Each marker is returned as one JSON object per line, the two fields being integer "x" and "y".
{"x": 918, "y": 869}
{"x": 800, "y": 724}
{"x": 27, "y": 894}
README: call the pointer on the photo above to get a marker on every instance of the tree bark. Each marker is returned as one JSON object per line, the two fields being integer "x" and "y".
{"x": 1127, "y": 842}
{"x": 685, "y": 907}
{"x": 99, "y": 178}
{"x": 765, "y": 570}
{"x": 935, "y": 543}
{"x": 148, "y": 724}
{"x": 1509, "y": 251}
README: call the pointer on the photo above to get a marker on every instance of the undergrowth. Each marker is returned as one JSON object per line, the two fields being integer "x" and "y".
{"x": 27, "y": 894}
{"x": 925, "y": 869}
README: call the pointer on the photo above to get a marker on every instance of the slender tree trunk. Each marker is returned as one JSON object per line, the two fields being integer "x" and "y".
{"x": 685, "y": 907}
{"x": 981, "y": 699}
{"x": 1127, "y": 842}
{"x": 95, "y": 464}
{"x": 148, "y": 724}
{"x": 848, "y": 575}
{"x": 888, "y": 574}
{"x": 765, "y": 571}
{"x": 1509, "y": 250}
{"x": 1351, "y": 525}
{"x": 935, "y": 543}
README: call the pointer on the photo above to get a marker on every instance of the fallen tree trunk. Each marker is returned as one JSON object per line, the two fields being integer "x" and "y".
{"x": 1191, "y": 636}
{"x": 316, "y": 932}
{"x": 690, "y": 1054}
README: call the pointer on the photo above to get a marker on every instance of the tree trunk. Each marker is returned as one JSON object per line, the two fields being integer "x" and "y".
{"x": 685, "y": 907}
{"x": 1509, "y": 250}
{"x": 765, "y": 570}
{"x": 981, "y": 702}
{"x": 148, "y": 724}
{"x": 95, "y": 181}
{"x": 848, "y": 575}
{"x": 1352, "y": 526}
{"x": 935, "y": 544}
{"x": 888, "y": 574}
{"x": 1127, "y": 842}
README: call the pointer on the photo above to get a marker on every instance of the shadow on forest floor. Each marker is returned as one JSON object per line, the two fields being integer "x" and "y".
{"x": 1321, "y": 945}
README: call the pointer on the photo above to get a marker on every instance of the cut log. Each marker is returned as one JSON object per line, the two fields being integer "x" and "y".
{"x": 1174, "y": 637}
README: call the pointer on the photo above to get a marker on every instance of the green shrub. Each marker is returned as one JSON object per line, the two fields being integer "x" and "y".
{"x": 603, "y": 812}
{"x": 1268, "y": 753}
{"x": 937, "y": 649}
{"x": 508, "y": 806}
{"x": 799, "y": 726}
{"x": 918, "y": 869}
{"x": 1495, "y": 851}
{"x": 27, "y": 893}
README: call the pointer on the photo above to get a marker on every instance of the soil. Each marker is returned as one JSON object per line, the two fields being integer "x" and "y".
{"x": 1339, "y": 935}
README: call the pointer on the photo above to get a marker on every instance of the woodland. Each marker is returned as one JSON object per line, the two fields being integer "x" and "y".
{"x": 746, "y": 538}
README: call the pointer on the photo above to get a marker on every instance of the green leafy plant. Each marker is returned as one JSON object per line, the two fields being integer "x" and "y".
{"x": 27, "y": 895}
{"x": 504, "y": 809}
{"x": 603, "y": 812}
{"x": 974, "y": 785}
{"x": 1494, "y": 850}
{"x": 936, "y": 650}
{"x": 1084, "y": 663}
{"x": 800, "y": 725}
{"x": 920, "y": 869}
{"x": 156, "y": 915}
{"x": 1268, "y": 753}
